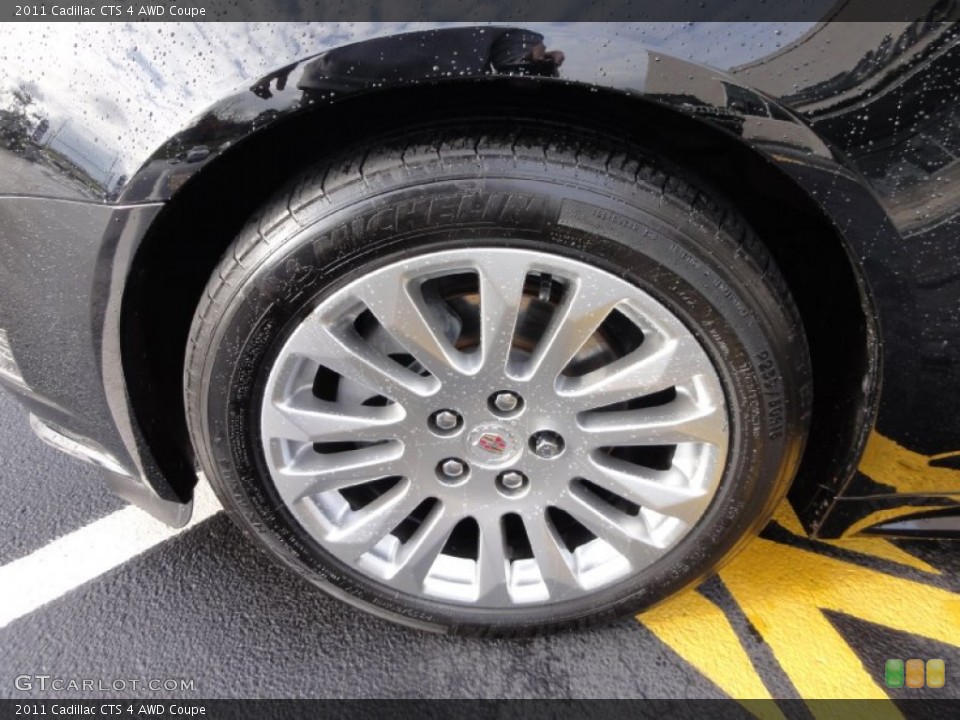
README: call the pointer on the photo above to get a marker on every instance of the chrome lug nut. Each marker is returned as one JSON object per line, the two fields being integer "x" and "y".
{"x": 546, "y": 444}
{"x": 453, "y": 468}
{"x": 547, "y": 448}
{"x": 505, "y": 402}
{"x": 445, "y": 421}
{"x": 512, "y": 483}
{"x": 512, "y": 480}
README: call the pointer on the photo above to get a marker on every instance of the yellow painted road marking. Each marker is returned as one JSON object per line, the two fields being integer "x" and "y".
{"x": 888, "y": 463}
{"x": 870, "y": 546}
{"x": 783, "y": 590}
{"x": 689, "y": 624}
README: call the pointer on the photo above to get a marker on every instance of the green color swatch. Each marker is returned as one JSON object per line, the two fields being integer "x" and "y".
{"x": 893, "y": 673}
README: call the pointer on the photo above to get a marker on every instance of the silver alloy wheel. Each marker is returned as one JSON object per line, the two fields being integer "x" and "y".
{"x": 628, "y": 398}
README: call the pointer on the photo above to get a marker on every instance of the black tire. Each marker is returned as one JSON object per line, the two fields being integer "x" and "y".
{"x": 566, "y": 191}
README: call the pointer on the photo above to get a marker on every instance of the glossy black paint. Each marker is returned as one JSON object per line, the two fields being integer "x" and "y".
{"x": 894, "y": 115}
{"x": 853, "y": 125}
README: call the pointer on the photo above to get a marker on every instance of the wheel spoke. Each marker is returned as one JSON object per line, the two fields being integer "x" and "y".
{"x": 492, "y": 566}
{"x": 577, "y": 318}
{"x": 421, "y": 550}
{"x": 306, "y": 418}
{"x": 627, "y": 535}
{"x": 553, "y": 559}
{"x": 375, "y": 521}
{"x": 345, "y": 352}
{"x": 310, "y": 473}
{"x": 665, "y": 491}
{"x": 501, "y": 289}
{"x": 399, "y": 306}
{"x": 650, "y": 368}
{"x": 680, "y": 421}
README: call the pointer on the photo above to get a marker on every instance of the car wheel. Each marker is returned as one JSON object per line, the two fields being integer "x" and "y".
{"x": 498, "y": 379}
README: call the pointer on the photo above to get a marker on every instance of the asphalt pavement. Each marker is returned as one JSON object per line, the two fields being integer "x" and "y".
{"x": 44, "y": 494}
{"x": 790, "y": 618}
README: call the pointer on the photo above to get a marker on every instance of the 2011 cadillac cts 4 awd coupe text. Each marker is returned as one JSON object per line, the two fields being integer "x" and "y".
{"x": 492, "y": 329}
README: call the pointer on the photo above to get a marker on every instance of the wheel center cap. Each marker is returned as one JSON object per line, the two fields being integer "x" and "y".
{"x": 493, "y": 444}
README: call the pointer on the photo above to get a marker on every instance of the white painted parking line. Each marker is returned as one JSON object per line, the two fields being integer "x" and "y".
{"x": 72, "y": 560}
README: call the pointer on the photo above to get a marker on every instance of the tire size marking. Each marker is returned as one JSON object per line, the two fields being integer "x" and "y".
{"x": 751, "y": 400}
{"x": 771, "y": 383}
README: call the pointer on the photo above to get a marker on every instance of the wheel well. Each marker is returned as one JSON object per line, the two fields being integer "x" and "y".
{"x": 184, "y": 245}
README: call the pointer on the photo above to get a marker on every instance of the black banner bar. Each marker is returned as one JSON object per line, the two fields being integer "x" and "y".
{"x": 488, "y": 11}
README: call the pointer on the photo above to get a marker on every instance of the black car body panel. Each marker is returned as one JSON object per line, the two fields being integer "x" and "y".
{"x": 853, "y": 126}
